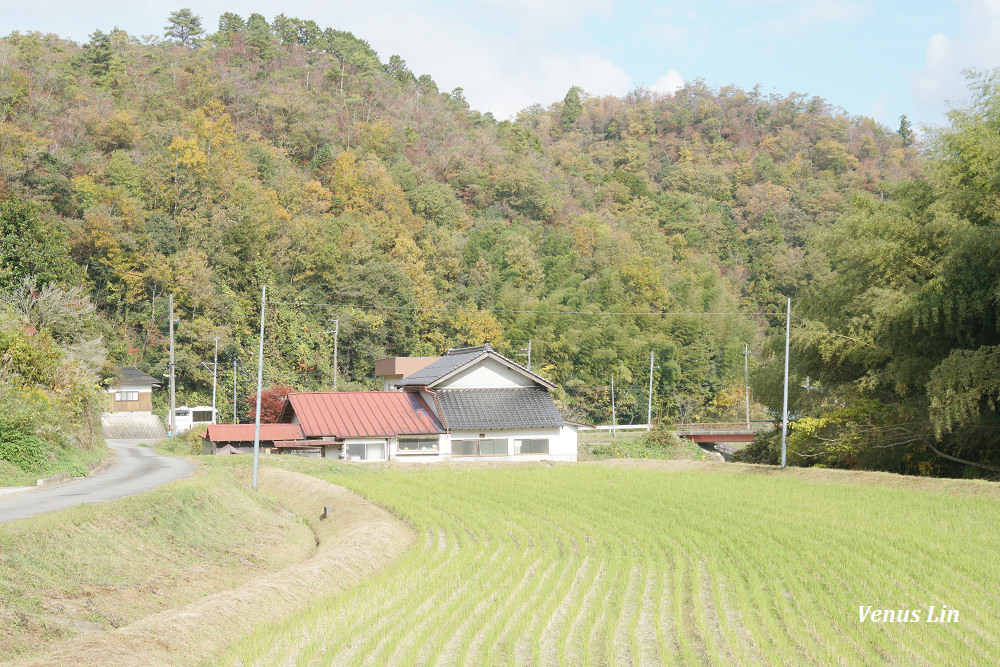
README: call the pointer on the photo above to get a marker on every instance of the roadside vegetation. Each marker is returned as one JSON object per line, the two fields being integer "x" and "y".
{"x": 602, "y": 564}
{"x": 658, "y": 444}
{"x": 113, "y": 563}
{"x": 51, "y": 359}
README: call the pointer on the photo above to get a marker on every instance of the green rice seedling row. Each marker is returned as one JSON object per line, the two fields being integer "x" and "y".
{"x": 594, "y": 564}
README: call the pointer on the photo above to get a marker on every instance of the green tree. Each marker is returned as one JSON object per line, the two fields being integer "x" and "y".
{"x": 230, "y": 22}
{"x": 260, "y": 38}
{"x": 28, "y": 247}
{"x": 98, "y": 53}
{"x": 185, "y": 27}
{"x": 905, "y": 131}
{"x": 397, "y": 69}
{"x": 572, "y": 107}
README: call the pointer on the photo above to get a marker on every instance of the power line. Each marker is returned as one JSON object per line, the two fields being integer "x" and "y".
{"x": 513, "y": 311}
{"x": 519, "y": 311}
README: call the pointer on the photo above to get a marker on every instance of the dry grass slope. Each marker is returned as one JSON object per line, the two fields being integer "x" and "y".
{"x": 358, "y": 540}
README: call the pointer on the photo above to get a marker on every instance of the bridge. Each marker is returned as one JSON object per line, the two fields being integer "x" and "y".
{"x": 722, "y": 432}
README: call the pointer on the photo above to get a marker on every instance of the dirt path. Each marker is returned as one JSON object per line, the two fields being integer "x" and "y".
{"x": 359, "y": 539}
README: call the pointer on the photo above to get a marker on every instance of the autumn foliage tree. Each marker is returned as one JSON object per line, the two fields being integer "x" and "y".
{"x": 272, "y": 401}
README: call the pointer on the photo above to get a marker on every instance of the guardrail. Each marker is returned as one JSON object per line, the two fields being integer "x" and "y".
{"x": 681, "y": 429}
{"x": 721, "y": 428}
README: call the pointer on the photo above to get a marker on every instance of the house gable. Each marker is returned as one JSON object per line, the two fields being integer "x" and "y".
{"x": 487, "y": 373}
{"x": 474, "y": 367}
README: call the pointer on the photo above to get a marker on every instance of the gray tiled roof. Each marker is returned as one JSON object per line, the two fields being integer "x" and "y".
{"x": 475, "y": 409}
{"x": 446, "y": 364}
{"x": 132, "y": 375}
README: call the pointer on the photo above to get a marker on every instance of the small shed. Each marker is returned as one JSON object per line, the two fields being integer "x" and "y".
{"x": 240, "y": 437}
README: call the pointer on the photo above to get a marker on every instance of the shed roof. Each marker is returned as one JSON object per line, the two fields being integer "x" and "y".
{"x": 356, "y": 414}
{"x": 245, "y": 432}
{"x": 132, "y": 375}
{"x": 475, "y": 409}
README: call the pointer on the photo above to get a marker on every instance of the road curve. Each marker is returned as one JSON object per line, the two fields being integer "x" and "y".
{"x": 138, "y": 469}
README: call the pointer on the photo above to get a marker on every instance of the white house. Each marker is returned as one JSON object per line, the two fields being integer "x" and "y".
{"x": 491, "y": 407}
{"x": 471, "y": 404}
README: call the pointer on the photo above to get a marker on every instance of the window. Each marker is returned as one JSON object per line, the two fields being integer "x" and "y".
{"x": 493, "y": 447}
{"x": 366, "y": 451}
{"x": 533, "y": 446}
{"x": 464, "y": 447}
{"x": 126, "y": 396}
{"x": 418, "y": 444}
{"x": 201, "y": 416}
{"x": 479, "y": 447}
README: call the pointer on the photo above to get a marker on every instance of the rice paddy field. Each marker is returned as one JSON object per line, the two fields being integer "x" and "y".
{"x": 604, "y": 564}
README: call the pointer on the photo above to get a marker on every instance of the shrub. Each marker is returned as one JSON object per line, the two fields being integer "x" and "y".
{"x": 658, "y": 444}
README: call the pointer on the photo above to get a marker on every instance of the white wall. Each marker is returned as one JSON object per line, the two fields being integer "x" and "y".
{"x": 562, "y": 444}
{"x": 488, "y": 374}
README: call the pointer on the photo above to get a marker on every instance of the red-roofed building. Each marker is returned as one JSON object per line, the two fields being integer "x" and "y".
{"x": 366, "y": 425}
{"x": 472, "y": 403}
{"x": 275, "y": 438}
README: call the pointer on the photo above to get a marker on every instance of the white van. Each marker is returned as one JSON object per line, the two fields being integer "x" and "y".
{"x": 186, "y": 418}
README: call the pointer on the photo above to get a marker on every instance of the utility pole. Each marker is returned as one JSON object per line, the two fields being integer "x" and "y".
{"x": 335, "y": 332}
{"x": 171, "y": 417}
{"x": 526, "y": 352}
{"x": 234, "y": 390}
{"x": 260, "y": 383}
{"x": 649, "y": 405}
{"x": 614, "y": 417}
{"x": 215, "y": 375}
{"x": 746, "y": 378}
{"x": 784, "y": 418}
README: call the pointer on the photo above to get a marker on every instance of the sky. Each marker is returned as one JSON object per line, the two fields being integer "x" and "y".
{"x": 877, "y": 59}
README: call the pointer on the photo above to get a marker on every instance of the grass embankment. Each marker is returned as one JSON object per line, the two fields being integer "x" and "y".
{"x": 55, "y": 460}
{"x": 115, "y": 562}
{"x": 578, "y": 564}
{"x": 658, "y": 444}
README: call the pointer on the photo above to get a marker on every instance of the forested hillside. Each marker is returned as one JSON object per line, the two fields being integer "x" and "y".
{"x": 600, "y": 229}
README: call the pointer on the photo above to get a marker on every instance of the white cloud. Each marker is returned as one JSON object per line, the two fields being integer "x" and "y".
{"x": 668, "y": 83}
{"x": 595, "y": 74}
{"x": 534, "y": 16}
{"x": 940, "y": 81}
{"x": 877, "y": 111}
{"x": 499, "y": 71}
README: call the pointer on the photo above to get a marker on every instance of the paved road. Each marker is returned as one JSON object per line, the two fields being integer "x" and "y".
{"x": 138, "y": 469}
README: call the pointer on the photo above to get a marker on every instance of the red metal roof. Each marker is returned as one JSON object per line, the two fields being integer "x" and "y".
{"x": 244, "y": 432}
{"x": 355, "y": 414}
